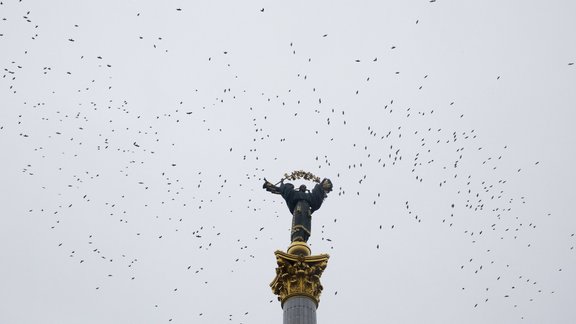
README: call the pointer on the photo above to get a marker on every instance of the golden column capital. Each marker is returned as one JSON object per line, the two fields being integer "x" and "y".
{"x": 298, "y": 275}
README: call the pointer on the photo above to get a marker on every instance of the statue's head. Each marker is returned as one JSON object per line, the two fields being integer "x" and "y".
{"x": 302, "y": 188}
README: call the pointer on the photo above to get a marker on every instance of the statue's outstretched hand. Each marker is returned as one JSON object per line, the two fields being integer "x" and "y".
{"x": 270, "y": 187}
{"x": 267, "y": 184}
{"x": 326, "y": 185}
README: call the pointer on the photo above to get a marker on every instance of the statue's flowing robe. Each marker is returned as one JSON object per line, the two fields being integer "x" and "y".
{"x": 302, "y": 205}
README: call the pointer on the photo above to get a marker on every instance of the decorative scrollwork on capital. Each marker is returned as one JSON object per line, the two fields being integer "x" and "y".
{"x": 298, "y": 276}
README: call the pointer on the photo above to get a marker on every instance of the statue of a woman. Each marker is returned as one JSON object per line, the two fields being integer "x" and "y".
{"x": 301, "y": 203}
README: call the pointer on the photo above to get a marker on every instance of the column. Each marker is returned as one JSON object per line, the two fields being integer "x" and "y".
{"x": 297, "y": 283}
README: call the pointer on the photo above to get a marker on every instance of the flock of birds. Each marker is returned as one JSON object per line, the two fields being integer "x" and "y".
{"x": 122, "y": 180}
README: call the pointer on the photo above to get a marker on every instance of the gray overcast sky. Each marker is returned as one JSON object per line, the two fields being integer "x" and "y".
{"x": 135, "y": 136}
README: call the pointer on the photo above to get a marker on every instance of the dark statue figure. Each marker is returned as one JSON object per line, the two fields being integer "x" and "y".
{"x": 301, "y": 203}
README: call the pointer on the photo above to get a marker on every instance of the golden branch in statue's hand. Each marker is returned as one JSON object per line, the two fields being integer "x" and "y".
{"x": 301, "y": 174}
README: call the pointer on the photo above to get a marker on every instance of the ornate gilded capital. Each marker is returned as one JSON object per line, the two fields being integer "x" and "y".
{"x": 298, "y": 275}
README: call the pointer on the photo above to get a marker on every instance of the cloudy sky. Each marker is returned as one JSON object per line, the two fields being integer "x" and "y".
{"x": 135, "y": 136}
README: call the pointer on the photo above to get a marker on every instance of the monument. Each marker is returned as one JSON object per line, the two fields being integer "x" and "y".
{"x": 297, "y": 281}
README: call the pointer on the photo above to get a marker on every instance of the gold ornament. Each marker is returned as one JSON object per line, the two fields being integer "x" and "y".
{"x": 298, "y": 275}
